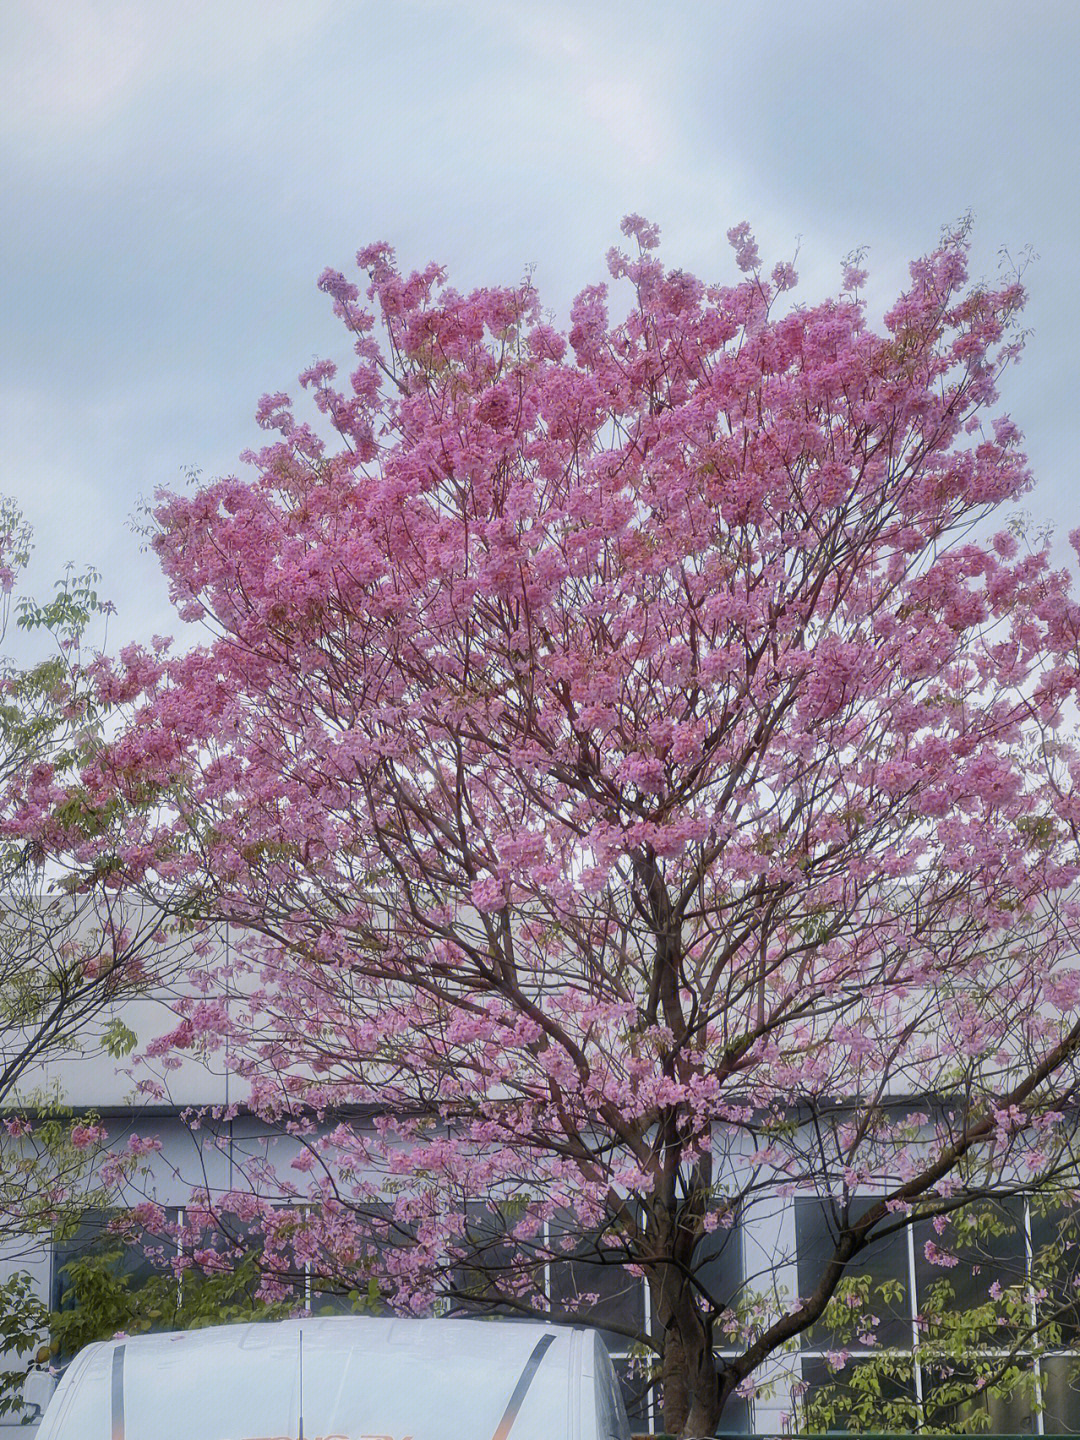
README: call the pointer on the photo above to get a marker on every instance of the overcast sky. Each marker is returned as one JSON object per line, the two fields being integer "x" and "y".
{"x": 176, "y": 175}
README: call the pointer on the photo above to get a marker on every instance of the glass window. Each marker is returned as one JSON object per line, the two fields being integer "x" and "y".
{"x": 612, "y": 1422}
{"x": 292, "y": 1261}
{"x": 952, "y": 1401}
{"x": 593, "y": 1269}
{"x": 102, "y": 1280}
{"x": 1061, "y": 1394}
{"x": 735, "y": 1419}
{"x": 859, "y": 1396}
{"x": 644, "y": 1401}
{"x": 136, "y": 1259}
{"x": 271, "y": 1242}
{"x": 989, "y": 1244}
{"x": 1024, "y": 1249}
{"x": 1055, "y": 1269}
{"x": 718, "y": 1268}
{"x": 490, "y": 1251}
{"x": 615, "y": 1296}
{"x": 226, "y": 1234}
{"x": 301, "y": 1267}
{"x": 336, "y": 1289}
{"x": 633, "y": 1375}
{"x": 880, "y": 1271}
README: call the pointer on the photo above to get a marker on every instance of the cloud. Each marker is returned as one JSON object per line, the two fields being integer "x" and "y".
{"x": 70, "y": 64}
{"x": 68, "y": 67}
{"x": 176, "y": 175}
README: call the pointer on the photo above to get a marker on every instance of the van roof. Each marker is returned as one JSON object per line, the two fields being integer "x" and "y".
{"x": 353, "y": 1375}
{"x": 347, "y": 1332}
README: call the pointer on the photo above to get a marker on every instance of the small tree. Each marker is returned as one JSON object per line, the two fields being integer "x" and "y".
{"x": 67, "y": 958}
{"x": 647, "y": 791}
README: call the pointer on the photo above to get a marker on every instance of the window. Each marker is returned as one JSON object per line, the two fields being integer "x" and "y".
{"x": 134, "y": 1262}
{"x": 859, "y": 1395}
{"x": 330, "y": 1292}
{"x": 1060, "y": 1384}
{"x": 307, "y": 1279}
{"x": 493, "y": 1259}
{"x": 720, "y": 1272}
{"x": 633, "y": 1378}
{"x": 1055, "y": 1268}
{"x": 951, "y": 1401}
{"x": 102, "y": 1281}
{"x": 718, "y": 1266}
{"x": 880, "y": 1272}
{"x": 596, "y": 1270}
{"x": 139, "y": 1261}
{"x": 976, "y": 1281}
{"x": 989, "y": 1242}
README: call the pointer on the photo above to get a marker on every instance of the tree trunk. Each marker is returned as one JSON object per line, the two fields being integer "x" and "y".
{"x": 691, "y": 1399}
{"x": 675, "y": 1392}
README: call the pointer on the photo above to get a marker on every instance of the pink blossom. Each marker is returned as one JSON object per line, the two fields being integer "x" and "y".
{"x": 83, "y": 1136}
{"x": 937, "y": 1256}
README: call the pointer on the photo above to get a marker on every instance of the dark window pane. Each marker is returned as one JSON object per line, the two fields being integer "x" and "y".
{"x": 864, "y": 1395}
{"x": 261, "y": 1250}
{"x": 612, "y": 1422}
{"x": 735, "y": 1417}
{"x": 332, "y": 1297}
{"x": 355, "y": 1288}
{"x": 988, "y": 1242}
{"x": 615, "y": 1297}
{"x": 880, "y": 1272}
{"x": 716, "y": 1272}
{"x": 952, "y": 1399}
{"x": 275, "y": 1241}
{"x": 1055, "y": 1268}
{"x": 718, "y": 1269}
{"x": 102, "y": 1278}
{"x": 225, "y": 1234}
{"x": 591, "y": 1268}
{"x": 633, "y": 1378}
{"x": 496, "y": 1268}
{"x": 135, "y": 1256}
{"x": 634, "y": 1382}
{"x": 1061, "y": 1394}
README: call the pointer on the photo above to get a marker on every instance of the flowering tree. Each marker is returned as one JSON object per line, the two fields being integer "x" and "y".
{"x": 646, "y": 790}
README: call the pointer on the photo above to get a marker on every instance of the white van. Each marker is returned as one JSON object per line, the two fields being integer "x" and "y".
{"x": 344, "y": 1378}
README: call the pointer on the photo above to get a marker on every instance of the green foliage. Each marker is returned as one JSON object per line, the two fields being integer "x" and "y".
{"x": 102, "y": 1300}
{"x": 66, "y": 955}
{"x": 107, "y": 1289}
{"x": 976, "y": 1361}
{"x": 48, "y": 711}
{"x": 47, "y": 1172}
{"x": 118, "y": 1039}
{"x": 22, "y": 1329}
{"x": 873, "y": 1395}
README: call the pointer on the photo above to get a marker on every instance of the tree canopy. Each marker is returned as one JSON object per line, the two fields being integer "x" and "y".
{"x": 646, "y": 779}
